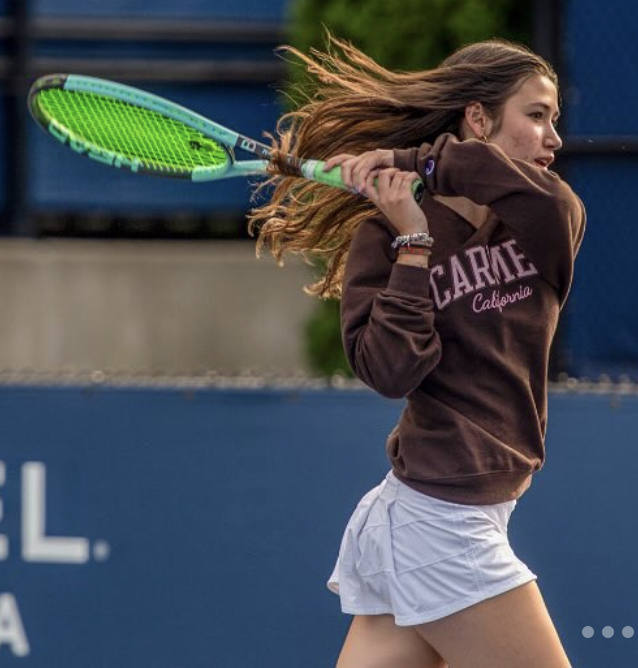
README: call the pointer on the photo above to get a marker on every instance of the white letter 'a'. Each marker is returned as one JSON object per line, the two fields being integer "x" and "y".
{"x": 36, "y": 545}
{"x": 11, "y": 628}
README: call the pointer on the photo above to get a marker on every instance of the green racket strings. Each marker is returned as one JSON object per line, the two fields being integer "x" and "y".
{"x": 160, "y": 143}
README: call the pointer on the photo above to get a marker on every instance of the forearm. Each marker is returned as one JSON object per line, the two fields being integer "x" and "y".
{"x": 387, "y": 314}
{"x": 542, "y": 213}
{"x": 395, "y": 347}
{"x": 515, "y": 190}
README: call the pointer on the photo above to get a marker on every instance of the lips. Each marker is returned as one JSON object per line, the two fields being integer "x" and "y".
{"x": 545, "y": 161}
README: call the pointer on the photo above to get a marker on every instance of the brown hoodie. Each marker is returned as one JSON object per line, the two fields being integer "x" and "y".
{"x": 466, "y": 341}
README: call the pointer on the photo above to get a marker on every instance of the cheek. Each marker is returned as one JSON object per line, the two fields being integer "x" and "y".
{"x": 519, "y": 139}
{"x": 534, "y": 134}
{"x": 526, "y": 139}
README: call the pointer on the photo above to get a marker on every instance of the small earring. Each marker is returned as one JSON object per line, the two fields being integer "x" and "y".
{"x": 484, "y": 138}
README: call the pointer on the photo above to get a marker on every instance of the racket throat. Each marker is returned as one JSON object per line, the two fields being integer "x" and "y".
{"x": 203, "y": 144}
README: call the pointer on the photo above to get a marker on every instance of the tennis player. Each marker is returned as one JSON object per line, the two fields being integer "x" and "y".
{"x": 453, "y": 305}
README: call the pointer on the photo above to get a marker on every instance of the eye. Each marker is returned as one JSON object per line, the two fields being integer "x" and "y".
{"x": 537, "y": 115}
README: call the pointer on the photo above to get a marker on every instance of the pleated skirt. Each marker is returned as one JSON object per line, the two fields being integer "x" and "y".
{"x": 419, "y": 558}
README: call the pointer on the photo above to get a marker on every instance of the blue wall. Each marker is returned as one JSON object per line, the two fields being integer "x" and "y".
{"x": 253, "y": 10}
{"x": 213, "y": 518}
{"x": 601, "y": 99}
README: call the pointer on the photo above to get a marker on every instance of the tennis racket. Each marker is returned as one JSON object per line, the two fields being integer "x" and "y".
{"x": 127, "y": 128}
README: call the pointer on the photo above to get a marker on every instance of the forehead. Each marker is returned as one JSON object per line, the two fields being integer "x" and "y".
{"x": 537, "y": 89}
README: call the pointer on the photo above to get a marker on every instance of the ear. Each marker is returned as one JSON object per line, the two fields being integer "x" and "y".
{"x": 476, "y": 120}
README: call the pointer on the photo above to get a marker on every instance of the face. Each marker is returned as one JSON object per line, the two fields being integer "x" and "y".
{"x": 527, "y": 128}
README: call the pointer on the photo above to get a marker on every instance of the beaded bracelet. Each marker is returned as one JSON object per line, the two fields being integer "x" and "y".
{"x": 416, "y": 239}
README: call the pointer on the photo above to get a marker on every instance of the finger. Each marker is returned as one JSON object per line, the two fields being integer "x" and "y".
{"x": 410, "y": 178}
{"x": 401, "y": 183}
{"x": 345, "y": 164}
{"x": 388, "y": 173}
{"x": 346, "y": 173}
{"x": 374, "y": 174}
{"x": 370, "y": 188}
{"x": 368, "y": 184}
{"x": 402, "y": 187}
{"x": 360, "y": 171}
{"x": 336, "y": 160}
{"x": 371, "y": 160}
{"x": 407, "y": 178}
{"x": 386, "y": 177}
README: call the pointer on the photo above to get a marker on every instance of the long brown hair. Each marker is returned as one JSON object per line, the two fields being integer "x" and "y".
{"x": 358, "y": 106}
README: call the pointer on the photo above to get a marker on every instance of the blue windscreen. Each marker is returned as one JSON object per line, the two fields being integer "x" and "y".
{"x": 601, "y": 99}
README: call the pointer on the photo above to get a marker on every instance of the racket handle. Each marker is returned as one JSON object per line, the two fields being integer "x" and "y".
{"x": 313, "y": 170}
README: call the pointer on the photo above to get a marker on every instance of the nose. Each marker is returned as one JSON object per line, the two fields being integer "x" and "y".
{"x": 552, "y": 138}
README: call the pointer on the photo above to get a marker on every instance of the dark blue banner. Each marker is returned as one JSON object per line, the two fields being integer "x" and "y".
{"x": 197, "y": 527}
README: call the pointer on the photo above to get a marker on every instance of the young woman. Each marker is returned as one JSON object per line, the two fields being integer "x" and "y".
{"x": 451, "y": 304}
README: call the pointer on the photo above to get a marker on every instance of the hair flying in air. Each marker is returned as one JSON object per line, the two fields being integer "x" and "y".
{"x": 357, "y": 105}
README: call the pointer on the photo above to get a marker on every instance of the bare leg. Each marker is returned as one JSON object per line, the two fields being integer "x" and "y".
{"x": 375, "y": 641}
{"x": 512, "y": 630}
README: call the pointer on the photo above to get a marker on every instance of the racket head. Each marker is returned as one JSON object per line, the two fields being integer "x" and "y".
{"x": 128, "y": 128}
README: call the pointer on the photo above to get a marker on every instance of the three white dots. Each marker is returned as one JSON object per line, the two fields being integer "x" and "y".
{"x": 608, "y": 631}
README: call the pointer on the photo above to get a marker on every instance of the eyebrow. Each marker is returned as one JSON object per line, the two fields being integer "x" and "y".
{"x": 545, "y": 107}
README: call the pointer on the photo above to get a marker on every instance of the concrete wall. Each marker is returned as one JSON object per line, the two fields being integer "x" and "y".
{"x": 149, "y": 307}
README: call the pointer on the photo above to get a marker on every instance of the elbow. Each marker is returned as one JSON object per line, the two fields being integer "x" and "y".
{"x": 393, "y": 379}
{"x": 392, "y": 391}
{"x": 383, "y": 382}
{"x": 562, "y": 206}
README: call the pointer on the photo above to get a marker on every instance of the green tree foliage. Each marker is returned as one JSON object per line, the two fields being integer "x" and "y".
{"x": 323, "y": 341}
{"x": 408, "y": 34}
{"x": 400, "y": 35}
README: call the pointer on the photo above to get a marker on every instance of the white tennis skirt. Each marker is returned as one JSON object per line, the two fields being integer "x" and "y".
{"x": 419, "y": 558}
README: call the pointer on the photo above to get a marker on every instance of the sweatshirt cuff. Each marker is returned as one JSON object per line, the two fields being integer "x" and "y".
{"x": 410, "y": 280}
{"x": 405, "y": 159}
{"x": 426, "y": 161}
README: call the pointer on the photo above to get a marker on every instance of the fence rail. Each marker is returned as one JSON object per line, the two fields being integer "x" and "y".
{"x": 132, "y": 29}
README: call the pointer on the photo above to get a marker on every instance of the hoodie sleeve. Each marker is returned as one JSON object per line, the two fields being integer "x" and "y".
{"x": 543, "y": 214}
{"x": 387, "y": 316}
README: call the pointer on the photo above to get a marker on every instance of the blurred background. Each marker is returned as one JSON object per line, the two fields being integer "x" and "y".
{"x": 181, "y": 441}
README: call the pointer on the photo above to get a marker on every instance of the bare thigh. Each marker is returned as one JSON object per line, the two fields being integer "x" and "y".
{"x": 375, "y": 641}
{"x": 512, "y": 630}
